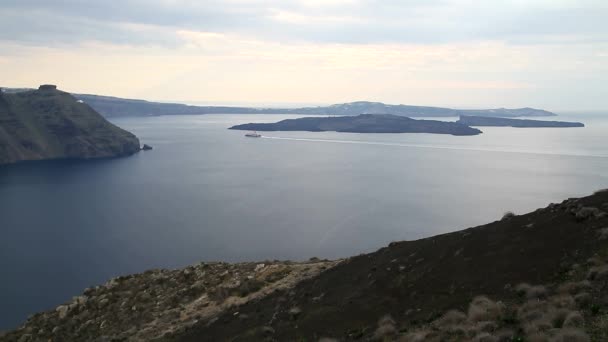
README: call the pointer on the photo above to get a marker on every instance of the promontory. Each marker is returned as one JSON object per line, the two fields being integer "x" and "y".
{"x": 51, "y": 124}
{"x": 364, "y": 123}
{"x": 508, "y": 122}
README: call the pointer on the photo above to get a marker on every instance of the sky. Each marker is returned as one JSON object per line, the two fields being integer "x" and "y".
{"x": 550, "y": 54}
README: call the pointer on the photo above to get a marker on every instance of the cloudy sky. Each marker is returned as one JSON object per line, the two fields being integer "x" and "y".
{"x": 551, "y": 54}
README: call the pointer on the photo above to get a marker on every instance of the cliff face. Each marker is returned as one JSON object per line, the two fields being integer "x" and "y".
{"x": 51, "y": 124}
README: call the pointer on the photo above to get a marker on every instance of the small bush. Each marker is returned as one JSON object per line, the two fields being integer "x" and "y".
{"x": 598, "y": 273}
{"x": 537, "y": 326}
{"x": 537, "y": 337}
{"x": 505, "y": 335}
{"x": 386, "y": 328}
{"x": 484, "y": 309}
{"x": 583, "y": 299}
{"x": 418, "y": 336}
{"x": 602, "y": 233}
{"x": 563, "y": 301}
{"x": 522, "y": 289}
{"x": 531, "y": 292}
{"x": 532, "y": 310}
{"x": 574, "y": 287}
{"x": 485, "y": 337}
{"x": 508, "y": 215}
{"x": 574, "y": 320}
{"x": 451, "y": 317}
{"x": 486, "y": 326}
{"x": 571, "y": 335}
{"x": 248, "y": 286}
{"x": 558, "y": 317}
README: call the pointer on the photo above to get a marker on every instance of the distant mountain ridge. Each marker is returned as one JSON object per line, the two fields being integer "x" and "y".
{"x": 51, "y": 124}
{"x": 117, "y": 107}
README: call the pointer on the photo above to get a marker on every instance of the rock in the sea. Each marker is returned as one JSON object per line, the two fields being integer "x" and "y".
{"x": 146, "y": 147}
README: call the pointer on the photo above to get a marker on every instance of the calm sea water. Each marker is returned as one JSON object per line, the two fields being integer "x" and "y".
{"x": 208, "y": 193}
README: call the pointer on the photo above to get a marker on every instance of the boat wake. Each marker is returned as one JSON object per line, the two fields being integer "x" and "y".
{"x": 438, "y": 147}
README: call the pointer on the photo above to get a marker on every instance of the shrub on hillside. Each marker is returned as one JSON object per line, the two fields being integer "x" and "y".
{"x": 570, "y": 335}
{"x": 451, "y": 317}
{"x": 508, "y": 215}
{"x": 484, "y": 309}
{"x": 531, "y": 292}
{"x": 574, "y": 320}
{"x": 386, "y": 328}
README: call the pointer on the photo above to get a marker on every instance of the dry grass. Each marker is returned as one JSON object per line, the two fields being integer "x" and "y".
{"x": 570, "y": 335}
{"x": 451, "y": 317}
{"x": 420, "y": 336}
{"x": 563, "y": 301}
{"x": 574, "y": 320}
{"x": 386, "y": 328}
{"x": 573, "y": 287}
{"x": 531, "y": 292}
{"x": 484, "y": 309}
{"x": 485, "y": 337}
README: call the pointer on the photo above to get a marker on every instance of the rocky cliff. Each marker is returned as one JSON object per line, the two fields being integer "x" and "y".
{"x": 51, "y": 124}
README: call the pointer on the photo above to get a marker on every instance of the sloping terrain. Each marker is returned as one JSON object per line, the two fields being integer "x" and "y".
{"x": 51, "y": 124}
{"x": 536, "y": 277}
{"x": 416, "y": 282}
{"x": 364, "y": 123}
{"x": 160, "y": 302}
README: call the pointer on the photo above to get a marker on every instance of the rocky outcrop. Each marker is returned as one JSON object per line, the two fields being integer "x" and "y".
{"x": 162, "y": 302}
{"x": 51, "y": 124}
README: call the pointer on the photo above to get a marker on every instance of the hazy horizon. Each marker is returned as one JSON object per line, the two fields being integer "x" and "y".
{"x": 450, "y": 53}
{"x": 319, "y": 104}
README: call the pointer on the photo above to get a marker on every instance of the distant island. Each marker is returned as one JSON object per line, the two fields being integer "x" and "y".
{"x": 364, "y": 123}
{"x": 111, "y": 107}
{"x": 51, "y": 124}
{"x": 504, "y": 122}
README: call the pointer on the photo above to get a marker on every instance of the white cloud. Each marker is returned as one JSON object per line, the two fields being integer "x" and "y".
{"x": 449, "y": 52}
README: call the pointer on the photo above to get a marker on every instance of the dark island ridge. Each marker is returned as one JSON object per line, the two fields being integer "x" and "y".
{"x": 110, "y": 106}
{"x": 364, "y": 123}
{"x": 519, "y": 123}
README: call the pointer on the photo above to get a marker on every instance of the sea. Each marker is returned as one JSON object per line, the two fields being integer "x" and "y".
{"x": 206, "y": 193}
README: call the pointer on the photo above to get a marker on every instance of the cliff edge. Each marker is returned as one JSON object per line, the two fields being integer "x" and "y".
{"x": 51, "y": 124}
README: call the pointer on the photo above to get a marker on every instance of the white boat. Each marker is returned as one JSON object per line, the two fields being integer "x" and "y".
{"x": 253, "y": 135}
